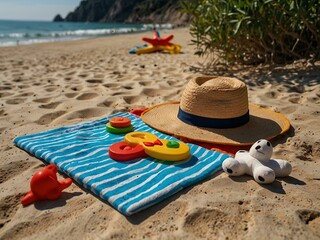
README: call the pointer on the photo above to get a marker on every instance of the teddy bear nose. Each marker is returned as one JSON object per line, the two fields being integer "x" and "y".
{"x": 258, "y": 147}
{"x": 229, "y": 170}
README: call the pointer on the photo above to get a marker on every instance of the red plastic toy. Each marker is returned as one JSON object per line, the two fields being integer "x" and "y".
{"x": 156, "y": 44}
{"x": 121, "y": 151}
{"x": 45, "y": 185}
{"x": 120, "y": 122}
{"x": 156, "y": 41}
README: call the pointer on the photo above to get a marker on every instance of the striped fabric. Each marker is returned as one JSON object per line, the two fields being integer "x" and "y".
{"x": 81, "y": 152}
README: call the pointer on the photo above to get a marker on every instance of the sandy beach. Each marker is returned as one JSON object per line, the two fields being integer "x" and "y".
{"x": 45, "y": 86}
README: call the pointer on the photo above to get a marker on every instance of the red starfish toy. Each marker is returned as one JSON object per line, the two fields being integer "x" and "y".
{"x": 157, "y": 41}
{"x": 45, "y": 185}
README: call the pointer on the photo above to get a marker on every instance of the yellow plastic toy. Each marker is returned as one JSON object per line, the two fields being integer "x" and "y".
{"x": 162, "y": 149}
{"x": 157, "y": 44}
{"x": 172, "y": 49}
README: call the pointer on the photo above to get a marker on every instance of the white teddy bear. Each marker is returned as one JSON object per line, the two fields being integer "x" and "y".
{"x": 257, "y": 163}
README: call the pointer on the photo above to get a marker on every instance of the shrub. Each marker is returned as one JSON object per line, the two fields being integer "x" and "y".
{"x": 255, "y": 31}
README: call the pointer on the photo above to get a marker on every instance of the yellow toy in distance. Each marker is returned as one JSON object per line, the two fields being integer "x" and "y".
{"x": 172, "y": 49}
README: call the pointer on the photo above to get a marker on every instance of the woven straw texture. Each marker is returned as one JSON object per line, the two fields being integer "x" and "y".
{"x": 215, "y": 97}
{"x": 263, "y": 123}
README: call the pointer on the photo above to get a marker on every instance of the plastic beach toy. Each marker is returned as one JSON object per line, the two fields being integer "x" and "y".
{"x": 157, "y": 40}
{"x": 136, "y": 48}
{"x": 172, "y": 48}
{"x": 161, "y": 149}
{"x": 45, "y": 185}
{"x": 257, "y": 163}
{"x": 157, "y": 44}
{"x": 119, "y": 125}
{"x": 121, "y": 151}
{"x": 120, "y": 122}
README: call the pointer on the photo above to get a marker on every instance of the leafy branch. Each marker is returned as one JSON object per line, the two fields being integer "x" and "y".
{"x": 256, "y": 31}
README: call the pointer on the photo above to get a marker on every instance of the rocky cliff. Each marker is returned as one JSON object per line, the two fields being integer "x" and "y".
{"x": 128, "y": 11}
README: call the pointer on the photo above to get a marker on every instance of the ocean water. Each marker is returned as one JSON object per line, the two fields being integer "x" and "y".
{"x": 14, "y": 33}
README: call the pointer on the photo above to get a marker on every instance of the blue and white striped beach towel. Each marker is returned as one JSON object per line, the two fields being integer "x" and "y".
{"x": 81, "y": 152}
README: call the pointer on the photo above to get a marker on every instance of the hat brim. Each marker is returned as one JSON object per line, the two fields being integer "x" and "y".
{"x": 263, "y": 124}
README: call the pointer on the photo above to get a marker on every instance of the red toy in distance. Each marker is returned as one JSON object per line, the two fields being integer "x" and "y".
{"x": 45, "y": 185}
{"x": 158, "y": 41}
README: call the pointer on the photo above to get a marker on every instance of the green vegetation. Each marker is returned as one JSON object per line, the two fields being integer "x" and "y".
{"x": 256, "y": 31}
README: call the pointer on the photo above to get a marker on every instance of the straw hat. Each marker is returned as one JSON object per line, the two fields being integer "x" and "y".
{"x": 216, "y": 110}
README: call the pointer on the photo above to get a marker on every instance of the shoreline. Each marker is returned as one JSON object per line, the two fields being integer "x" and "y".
{"x": 50, "y": 32}
{"x": 50, "y": 85}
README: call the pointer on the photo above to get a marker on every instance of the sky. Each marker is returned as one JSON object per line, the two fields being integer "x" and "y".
{"x": 35, "y": 9}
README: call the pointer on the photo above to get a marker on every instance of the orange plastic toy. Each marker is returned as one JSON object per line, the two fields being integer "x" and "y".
{"x": 45, "y": 185}
{"x": 120, "y": 122}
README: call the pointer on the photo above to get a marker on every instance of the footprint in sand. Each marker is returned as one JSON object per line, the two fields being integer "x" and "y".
{"x": 83, "y": 75}
{"x": 17, "y": 80}
{"x": 297, "y": 89}
{"x": 105, "y": 104}
{"x": 131, "y": 99}
{"x": 15, "y": 101}
{"x": 310, "y": 218}
{"x": 87, "y": 96}
{"x": 209, "y": 219}
{"x": 289, "y": 109}
{"x": 50, "y": 117}
{"x": 127, "y": 87}
{"x": 13, "y": 169}
{"x": 71, "y": 73}
{"x": 71, "y": 95}
{"x": 4, "y": 88}
{"x": 23, "y": 86}
{"x": 272, "y": 94}
{"x": 314, "y": 99}
{"x": 85, "y": 113}
{"x": 94, "y": 81}
{"x": 145, "y": 83}
{"x": 27, "y": 94}
{"x": 173, "y": 83}
{"x": 17, "y": 74}
{"x": 25, "y": 227}
{"x": 3, "y": 68}
{"x": 150, "y": 92}
{"x": 8, "y": 208}
{"x": 51, "y": 89}
{"x": 99, "y": 75}
{"x": 52, "y": 105}
{"x": 42, "y": 100}
{"x": 307, "y": 151}
{"x": 5, "y": 94}
{"x": 117, "y": 93}
{"x": 76, "y": 88}
{"x": 112, "y": 86}
{"x": 295, "y": 100}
